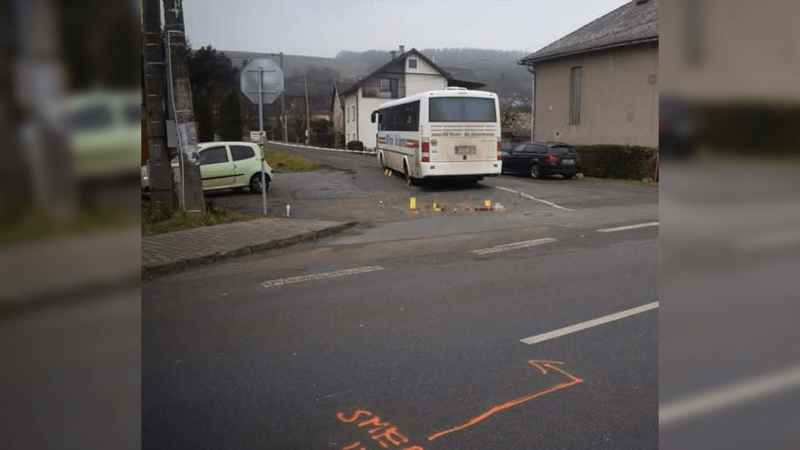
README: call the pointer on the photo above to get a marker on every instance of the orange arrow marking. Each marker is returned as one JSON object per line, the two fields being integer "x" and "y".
{"x": 542, "y": 365}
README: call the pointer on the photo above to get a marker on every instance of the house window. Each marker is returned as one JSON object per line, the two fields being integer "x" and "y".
{"x": 575, "y": 96}
{"x": 412, "y": 63}
{"x": 386, "y": 84}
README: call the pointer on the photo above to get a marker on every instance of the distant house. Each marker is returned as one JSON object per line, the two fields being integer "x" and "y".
{"x": 337, "y": 107}
{"x": 599, "y": 84}
{"x": 406, "y": 74}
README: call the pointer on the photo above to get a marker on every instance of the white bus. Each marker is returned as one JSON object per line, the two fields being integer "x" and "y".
{"x": 450, "y": 133}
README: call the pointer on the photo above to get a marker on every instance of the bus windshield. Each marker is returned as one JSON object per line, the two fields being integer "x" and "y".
{"x": 462, "y": 109}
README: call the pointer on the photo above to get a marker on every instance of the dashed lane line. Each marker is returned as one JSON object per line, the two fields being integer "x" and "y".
{"x": 512, "y": 246}
{"x": 588, "y": 324}
{"x": 320, "y": 276}
{"x": 628, "y": 227}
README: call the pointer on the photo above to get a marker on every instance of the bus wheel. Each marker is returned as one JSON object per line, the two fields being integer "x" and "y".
{"x": 409, "y": 179}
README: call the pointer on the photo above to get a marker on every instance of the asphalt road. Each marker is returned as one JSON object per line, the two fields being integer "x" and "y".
{"x": 406, "y": 333}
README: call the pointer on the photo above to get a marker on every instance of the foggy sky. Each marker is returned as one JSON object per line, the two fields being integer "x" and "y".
{"x": 323, "y": 28}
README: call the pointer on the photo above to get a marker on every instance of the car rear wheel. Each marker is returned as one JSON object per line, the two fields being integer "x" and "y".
{"x": 255, "y": 183}
{"x": 536, "y": 172}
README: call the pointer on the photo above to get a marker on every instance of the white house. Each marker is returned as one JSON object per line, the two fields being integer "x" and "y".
{"x": 406, "y": 74}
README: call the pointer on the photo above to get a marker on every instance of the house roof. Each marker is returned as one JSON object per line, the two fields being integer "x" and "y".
{"x": 341, "y": 87}
{"x": 456, "y": 77}
{"x": 464, "y": 75}
{"x": 632, "y": 23}
{"x": 338, "y": 88}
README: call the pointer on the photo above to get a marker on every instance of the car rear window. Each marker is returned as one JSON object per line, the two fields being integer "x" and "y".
{"x": 562, "y": 151}
{"x": 240, "y": 152}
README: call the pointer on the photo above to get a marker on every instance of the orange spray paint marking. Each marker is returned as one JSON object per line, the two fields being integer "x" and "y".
{"x": 539, "y": 364}
{"x": 355, "y": 416}
{"x": 390, "y": 436}
{"x": 354, "y": 446}
{"x": 376, "y": 421}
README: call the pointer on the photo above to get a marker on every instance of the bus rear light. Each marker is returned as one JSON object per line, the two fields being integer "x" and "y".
{"x": 426, "y": 157}
{"x": 499, "y": 158}
{"x": 426, "y": 148}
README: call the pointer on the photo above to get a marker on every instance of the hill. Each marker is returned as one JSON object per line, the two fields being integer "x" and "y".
{"x": 497, "y": 68}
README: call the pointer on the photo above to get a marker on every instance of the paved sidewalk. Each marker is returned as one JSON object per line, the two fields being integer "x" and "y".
{"x": 170, "y": 252}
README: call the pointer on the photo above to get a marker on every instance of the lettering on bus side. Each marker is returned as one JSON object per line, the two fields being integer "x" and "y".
{"x": 452, "y": 134}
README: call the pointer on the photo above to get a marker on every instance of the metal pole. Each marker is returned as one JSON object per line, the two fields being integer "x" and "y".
{"x": 283, "y": 109}
{"x": 261, "y": 133}
{"x": 308, "y": 127}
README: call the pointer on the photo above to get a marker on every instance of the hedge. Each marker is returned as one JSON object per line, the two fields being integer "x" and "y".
{"x": 355, "y": 145}
{"x": 627, "y": 162}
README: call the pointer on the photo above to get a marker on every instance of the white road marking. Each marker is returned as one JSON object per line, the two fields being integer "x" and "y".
{"x": 320, "y": 276}
{"x": 728, "y": 396}
{"x": 530, "y": 197}
{"x": 588, "y": 324}
{"x": 507, "y": 189}
{"x": 512, "y": 246}
{"x": 629, "y": 227}
{"x": 545, "y": 202}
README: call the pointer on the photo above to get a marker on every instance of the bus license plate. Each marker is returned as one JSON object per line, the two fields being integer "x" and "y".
{"x": 567, "y": 162}
{"x": 465, "y": 150}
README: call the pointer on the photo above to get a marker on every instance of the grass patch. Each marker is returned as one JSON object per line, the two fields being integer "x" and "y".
{"x": 24, "y": 223}
{"x": 155, "y": 222}
{"x": 285, "y": 163}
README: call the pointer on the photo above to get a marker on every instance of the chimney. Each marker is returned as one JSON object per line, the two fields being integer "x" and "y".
{"x": 402, "y": 49}
{"x": 394, "y": 54}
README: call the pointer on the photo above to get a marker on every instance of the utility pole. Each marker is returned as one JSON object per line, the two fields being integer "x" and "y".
{"x": 308, "y": 127}
{"x": 191, "y": 194}
{"x": 159, "y": 169}
{"x": 283, "y": 109}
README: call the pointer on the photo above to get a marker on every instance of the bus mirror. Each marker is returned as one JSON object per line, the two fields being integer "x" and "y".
{"x": 374, "y": 117}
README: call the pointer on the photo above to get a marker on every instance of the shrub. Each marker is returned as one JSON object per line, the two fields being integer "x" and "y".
{"x": 322, "y": 133}
{"x": 355, "y": 145}
{"x": 629, "y": 162}
{"x": 339, "y": 140}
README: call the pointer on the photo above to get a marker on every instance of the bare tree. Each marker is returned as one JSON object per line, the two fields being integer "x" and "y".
{"x": 514, "y": 118}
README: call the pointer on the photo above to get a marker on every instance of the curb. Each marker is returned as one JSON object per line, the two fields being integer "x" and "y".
{"x": 156, "y": 270}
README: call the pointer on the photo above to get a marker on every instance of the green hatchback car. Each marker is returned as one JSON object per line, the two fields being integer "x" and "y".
{"x": 226, "y": 165}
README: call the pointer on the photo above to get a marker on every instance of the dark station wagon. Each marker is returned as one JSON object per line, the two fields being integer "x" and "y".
{"x": 540, "y": 159}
